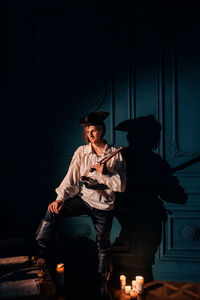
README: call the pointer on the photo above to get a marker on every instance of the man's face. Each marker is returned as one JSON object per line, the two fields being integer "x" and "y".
{"x": 92, "y": 134}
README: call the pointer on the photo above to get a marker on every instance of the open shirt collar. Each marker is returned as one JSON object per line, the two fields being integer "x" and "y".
{"x": 106, "y": 151}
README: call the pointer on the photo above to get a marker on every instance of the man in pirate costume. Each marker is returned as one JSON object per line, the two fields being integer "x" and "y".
{"x": 95, "y": 197}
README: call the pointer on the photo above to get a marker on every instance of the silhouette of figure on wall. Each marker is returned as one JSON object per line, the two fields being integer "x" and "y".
{"x": 149, "y": 181}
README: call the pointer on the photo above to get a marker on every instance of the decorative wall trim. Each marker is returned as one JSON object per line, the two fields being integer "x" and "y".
{"x": 132, "y": 72}
{"x": 160, "y": 91}
{"x": 177, "y": 152}
{"x": 190, "y": 233}
{"x": 113, "y": 137}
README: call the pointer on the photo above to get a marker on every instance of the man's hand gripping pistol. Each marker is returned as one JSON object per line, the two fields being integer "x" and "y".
{"x": 93, "y": 184}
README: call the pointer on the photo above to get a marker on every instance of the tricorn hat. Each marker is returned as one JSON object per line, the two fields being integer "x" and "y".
{"x": 94, "y": 118}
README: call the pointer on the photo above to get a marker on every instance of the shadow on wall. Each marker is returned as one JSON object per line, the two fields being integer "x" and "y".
{"x": 140, "y": 209}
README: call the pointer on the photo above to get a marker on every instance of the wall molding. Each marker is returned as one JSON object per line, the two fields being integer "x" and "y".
{"x": 176, "y": 150}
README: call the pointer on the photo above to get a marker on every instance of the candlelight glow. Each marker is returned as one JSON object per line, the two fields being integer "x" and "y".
{"x": 133, "y": 293}
{"x": 139, "y": 284}
{"x": 133, "y": 284}
{"x": 123, "y": 281}
{"x": 127, "y": 289}
{"x": 60, "y": 268}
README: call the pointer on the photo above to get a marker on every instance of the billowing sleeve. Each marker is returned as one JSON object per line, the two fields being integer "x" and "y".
{"x": 115, "y": 179}
{"x": 69, "y": 187}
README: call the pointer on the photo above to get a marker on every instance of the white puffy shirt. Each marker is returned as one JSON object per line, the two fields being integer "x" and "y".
{"x": 83, "y": 160}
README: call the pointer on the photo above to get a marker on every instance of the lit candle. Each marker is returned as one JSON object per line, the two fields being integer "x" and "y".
{"x": 133, "y": 284}
{"x": 127, "y": 289}
{"x": 133, "y": 293}
{"x": 139, "y": 284}
{"x": 123, "y": 281}
{"x": 60, "y": 273}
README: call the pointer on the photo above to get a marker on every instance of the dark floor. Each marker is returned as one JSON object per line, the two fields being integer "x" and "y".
{"x": 81, "y": 280}
{"x": 153, "y": 291}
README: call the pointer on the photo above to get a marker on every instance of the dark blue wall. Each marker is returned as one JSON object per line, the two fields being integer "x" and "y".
{"x": 61, "y": 61}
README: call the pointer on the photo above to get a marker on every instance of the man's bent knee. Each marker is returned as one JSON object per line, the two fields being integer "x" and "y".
{"x": 50, "y": 216}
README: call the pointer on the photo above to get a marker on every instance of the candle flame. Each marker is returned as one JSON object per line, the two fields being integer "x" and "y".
{"x": 59, "y": 266}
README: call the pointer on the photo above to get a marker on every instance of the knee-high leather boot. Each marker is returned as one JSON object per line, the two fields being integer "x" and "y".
{"x": 44, "y": 236}
{"x": 104, "y": 266}
{"x": 104, "y": 272}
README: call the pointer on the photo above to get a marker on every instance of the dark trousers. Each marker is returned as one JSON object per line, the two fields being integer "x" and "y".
{"x": 76, "y": 206}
